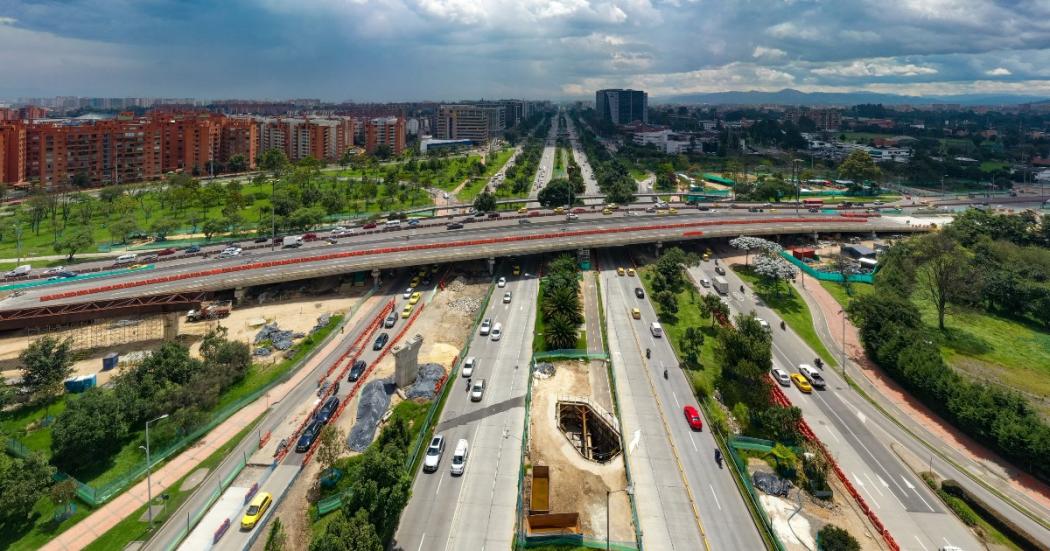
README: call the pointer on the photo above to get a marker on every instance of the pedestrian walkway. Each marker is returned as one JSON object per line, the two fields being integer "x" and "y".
{"x": 830, "y": 324}
{"x": 599, "y": 375}
{"x": 124, "y": 505}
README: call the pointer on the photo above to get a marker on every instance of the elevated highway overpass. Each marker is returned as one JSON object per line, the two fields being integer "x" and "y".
{"x": 424, "y": 245}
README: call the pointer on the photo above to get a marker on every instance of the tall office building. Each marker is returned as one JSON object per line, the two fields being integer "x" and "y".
{"x": 620, "y": 106}
{"x": 388, "y": 131}
{"x": 477, "y": 123}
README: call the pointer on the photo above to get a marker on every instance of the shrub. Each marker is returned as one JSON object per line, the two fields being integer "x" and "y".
{"x": 833, "y": 538}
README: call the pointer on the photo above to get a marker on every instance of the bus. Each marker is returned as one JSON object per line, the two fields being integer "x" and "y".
{"x": 813, "y": 202}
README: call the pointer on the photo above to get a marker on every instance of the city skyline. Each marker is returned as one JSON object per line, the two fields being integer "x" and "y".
{"x": 446, "y": 49}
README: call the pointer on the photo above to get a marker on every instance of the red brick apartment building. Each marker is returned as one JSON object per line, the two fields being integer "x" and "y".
{"x": 324, "y": 139}
{"x": 388, "y": 131}
{"x": 125, "y": 149}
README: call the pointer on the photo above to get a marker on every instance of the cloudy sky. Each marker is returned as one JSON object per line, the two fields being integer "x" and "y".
{"x": 448, "y": 49}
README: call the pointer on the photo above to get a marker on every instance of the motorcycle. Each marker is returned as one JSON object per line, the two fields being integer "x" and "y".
{"x": 468, "y": 384}
{"x": 783, "y": 326}
{"x": 818, "y": 362}
{"x": 647, "y": 353}
{"x": 718, "y": 458}
{"x": 741, "y": 288}
{"x": 665, "y": 373}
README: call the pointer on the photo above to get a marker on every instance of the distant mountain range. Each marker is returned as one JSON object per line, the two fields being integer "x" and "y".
{"x": 789, "y": 96}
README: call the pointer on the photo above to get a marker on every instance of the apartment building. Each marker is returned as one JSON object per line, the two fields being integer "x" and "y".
{"x": 477, "y": 123}
{"x": 322, "y": 139}
{"x": 12, "y": 152}
{"x": 385, "y": 131}
{"x": 826, "y": 120}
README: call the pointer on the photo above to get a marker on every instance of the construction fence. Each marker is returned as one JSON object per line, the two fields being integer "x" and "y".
{"x": 826, "y": 276}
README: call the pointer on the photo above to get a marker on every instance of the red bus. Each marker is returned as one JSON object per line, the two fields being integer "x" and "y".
{"x": 813, "y": 202}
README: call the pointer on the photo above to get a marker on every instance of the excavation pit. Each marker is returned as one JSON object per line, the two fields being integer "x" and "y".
{"x": 591, "y": 431}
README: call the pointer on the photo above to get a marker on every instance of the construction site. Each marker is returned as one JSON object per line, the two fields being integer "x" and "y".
{"x": 574, "y": 459}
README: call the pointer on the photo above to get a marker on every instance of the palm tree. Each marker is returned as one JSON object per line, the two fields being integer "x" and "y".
{"x": 562, "y": 301}
{"x": 560, "y": 333}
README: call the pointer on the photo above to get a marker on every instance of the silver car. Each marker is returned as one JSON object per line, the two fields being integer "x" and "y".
{"x": 434, "y": 452}
{"x": 477, "y": 390}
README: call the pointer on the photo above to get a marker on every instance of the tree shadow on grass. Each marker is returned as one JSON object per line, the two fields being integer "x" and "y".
{"x": 14, "y": 530}
{"x": 963, "y": 341}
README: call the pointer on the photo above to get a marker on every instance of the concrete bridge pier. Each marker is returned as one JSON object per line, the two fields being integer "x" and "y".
{"x": 492, "y": 265}
{"x": 171, "y": 326}
{"x": 659, "y": 245}
{"x": 239, "y": 294}
{"x": 375, "y": 277}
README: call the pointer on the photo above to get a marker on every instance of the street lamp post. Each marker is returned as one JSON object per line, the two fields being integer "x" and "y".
{"x": 149, "y": 481}
{"x": 273, "y": 215}
{"x": 798, "y": 183}
{"x": 629, "y": 490}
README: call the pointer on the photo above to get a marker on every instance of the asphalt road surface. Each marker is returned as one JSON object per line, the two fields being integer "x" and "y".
{"x": 476, "y": 510}
{"x": 837, "y": 415}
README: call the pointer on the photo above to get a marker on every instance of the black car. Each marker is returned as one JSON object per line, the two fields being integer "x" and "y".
{"x": 192, "y": 249}
{"x": 326, "y": 411}
{"x": 493, "y": 215}
{"x": 306, "y": 441}
{"x": 381, "y": 341}
{"x": 359, "y": 368}
{"x": 454, "y": 226}
{"x": 638, "y": 292}
{"x": 261, "y": 239}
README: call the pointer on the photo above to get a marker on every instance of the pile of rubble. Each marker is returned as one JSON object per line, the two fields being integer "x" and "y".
{"x": 457, "y": 285}
{"x": 279, "y": 339}
{"x": 428, "y": 376}
{"x": 543, "y": 370}
{"x": 322, "y": 322}
{"x": 465, "y": 305}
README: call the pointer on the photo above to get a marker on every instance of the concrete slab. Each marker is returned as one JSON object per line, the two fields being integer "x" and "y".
{"x": 227, "y": 507}
{"x": 157, "y": 508}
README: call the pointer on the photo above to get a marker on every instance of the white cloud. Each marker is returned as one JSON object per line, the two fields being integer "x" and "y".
{"x": 762, "y": 52}
{"x": 8, "y": 20}
{"x": 883, "y": 67}
{"x": 999, "y": 72}
{"x": 732, "y": 76}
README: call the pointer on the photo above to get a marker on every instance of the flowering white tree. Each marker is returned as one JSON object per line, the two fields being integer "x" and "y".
{"x": 774, "y": 269}
{"x": 747, "y": 244}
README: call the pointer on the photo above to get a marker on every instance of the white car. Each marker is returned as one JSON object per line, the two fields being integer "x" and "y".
{"x": 502, "y": 282}
{"x": 497, "y": 332}
{"x": 469, "y": 365}
{"x": 811, "y": 375}
{"x": 477, "y": 390}
{"x": 705, "y": 283}
{"x": 763, "y": 323}
{"x": 506, "y": 297}
{"x": 780, "y": 376}
{"x": 459, "y": 457}
{"x": 486, "y": 326}
{"x": 433, "y": 457}
{"x": 407, "y": 294}
{"x": 53, "y": 271}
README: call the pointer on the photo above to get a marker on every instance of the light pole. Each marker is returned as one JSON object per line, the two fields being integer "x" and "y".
{"x": 149, "y": 481}
{"x": 273, "y": 215}
{"x": 629, "y": 490}
{"x": 798, "y": 183}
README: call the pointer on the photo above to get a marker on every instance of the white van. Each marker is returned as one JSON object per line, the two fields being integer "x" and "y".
{"x": 459, "y": 457}
{"x": 656, "y": 329}
{"x": 20, "y": 271}
{"x": 497, "y": 332}
{"x": 393, "y": 223}
{"x": 125, "y": 259}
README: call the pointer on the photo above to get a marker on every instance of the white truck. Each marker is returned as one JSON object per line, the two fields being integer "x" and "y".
{"x": 20, "y": 271}
{"x": 721, "y": 285}
{"x": 292, "y": 241}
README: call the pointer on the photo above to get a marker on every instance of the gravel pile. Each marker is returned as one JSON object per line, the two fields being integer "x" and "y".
{"x": 375, "y": 399}
{"x": 457, "y": 285}
{"x": 429, "y": 375}
{"x": 544, "y": 370}
{"x": 262, "y": 352}
{"x": 322, "y": 321}
{"x": 465, "y": 305}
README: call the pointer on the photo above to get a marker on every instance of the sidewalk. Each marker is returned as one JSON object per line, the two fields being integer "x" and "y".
{"x": 97, "y": 523}
{"x": 599, "y": 375}
{"x": 988, "y": 463}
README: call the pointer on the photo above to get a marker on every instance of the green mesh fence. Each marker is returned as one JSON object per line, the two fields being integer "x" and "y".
{"x": 741, "y": 469}
{"x": 527, "y": 542}
{"x": 40, "y": 282}
{"x": 570, "y": 354}
{"x": 826, "y": 276}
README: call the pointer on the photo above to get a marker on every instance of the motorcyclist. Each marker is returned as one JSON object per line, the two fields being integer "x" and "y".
{"x": 818, "y": 362}
{"x": 782, "y": 325}
{"x": 741, "y": 288}
{"x": 718, "y": 457}
{"x": 468, "y": 384}
{"x": 665, "y": 373}
{"x": 648, "y": 353}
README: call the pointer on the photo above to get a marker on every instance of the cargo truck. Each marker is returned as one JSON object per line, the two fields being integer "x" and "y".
{"x": 210, "y": 311}
{"x": 721, "y": 285}
{"x": 292, "y": 241}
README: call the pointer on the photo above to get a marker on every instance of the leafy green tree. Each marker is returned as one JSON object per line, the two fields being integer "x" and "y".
{"x": 859, "y": 167}
{"x": 212, "y": 227}
{"x": 22, "y": 483}
{"x": 162, "y": 226}
{"x": 46, "y": 362}
{"x": 63, "y": 493}
{"x": 667, "y": 302}
{"x": 833, "y": 538}
{"x": 384, "y": 493}
{"x": 691, "y": 345}
{"x": 95, "y": 421}
{"x": 237, "y": 163}
{"x": 273, "y": 161}
{"x": 945, "y": 276}
{"x": 329, "y": 447}
{"x": 557, "y": 193}
{"x": 485, "y": 202}
{"x": 122, "y": 228}
{"x": 354, "y": 534}
{"x": 72, "y": 243}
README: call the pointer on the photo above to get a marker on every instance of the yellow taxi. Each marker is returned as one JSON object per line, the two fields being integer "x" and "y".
{"x": 407, "y": 311}
{"x": 612, "y": 206}
{"x": 620, "y": 271}
{"x": 517, "y": 270}
{"x": 636, "y": 313}
{"x": 559, "y": 210}
{"x": 707, "y": 256}
{"x": 801, "y": 383}
{"x": 606, "y": 211}
{"x": 414, "y": 298}
{"x": 631, "y": 272}
{"x": 260, "y": 503}
{"x": 523, "y": 210}
{"x": 414, "y": 282}
{"x": 672, "y": 211}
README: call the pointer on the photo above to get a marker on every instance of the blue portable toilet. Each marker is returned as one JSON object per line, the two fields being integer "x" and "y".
{"x": 109, "y": 361}
{"x": 79, "y": 384}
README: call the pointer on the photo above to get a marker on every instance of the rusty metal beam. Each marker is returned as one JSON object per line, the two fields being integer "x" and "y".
{"x": 79, "y": 311}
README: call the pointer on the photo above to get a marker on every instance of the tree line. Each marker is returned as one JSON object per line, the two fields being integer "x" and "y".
{"x": 981, "y": 260}
{"x": 613, "y": 178}
{"x": 560, "y": 303}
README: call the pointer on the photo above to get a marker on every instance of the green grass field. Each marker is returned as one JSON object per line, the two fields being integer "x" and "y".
{"x": 992, "y": 166}
{"x": 791, "y": 308}
{"x": 838, "y": 291}
{"x": 988, "y": 347}
{"x": 476, "y": 185}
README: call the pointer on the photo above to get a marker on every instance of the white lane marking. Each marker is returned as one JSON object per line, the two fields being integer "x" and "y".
{"x": 874, "y": 485}
{"x": 438, "y": 489}
{"x": 421, "y": 540}
{"x": 871, "y": 496}
{"x": 676, "y": 400}
{"x": 634, "y": 440}
{"x": 920, "y": 542}
{"x": 948, "y": 543}
{"x": 860, "y": 415}
{"x": 714, "y": 495}
{"x": 693, "y": 442}
{"x": 916, "y": 492}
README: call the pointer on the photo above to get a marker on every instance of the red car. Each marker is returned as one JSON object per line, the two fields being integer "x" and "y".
{"x": 579, "y": 210}
{"x": 369, "y": 226}
{"x": 309, "y": 237}
{"x": 693, "y": 418}
{"x": 166, "y": 252}
{"x": 533, "y": 213}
